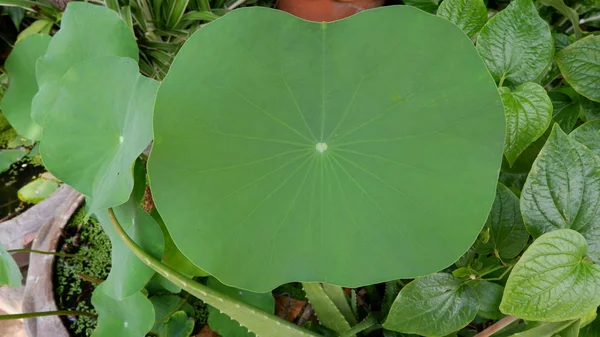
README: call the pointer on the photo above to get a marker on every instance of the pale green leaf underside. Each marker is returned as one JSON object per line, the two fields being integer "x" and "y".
{"x": 440, "y": 298}
{"x": 528, "y": 111}
{"x": 107, "y": 107}
{"x": 563, "y": 190}
{"x": 20, "y": 66}
{"x": 516, "y": 44}
{"x": 468, "y": 15}
{"x": 10, "y": 274}
{"x": 321, "y": 135}
{"x": 580, "y": 66}
{"x": 551, "y": 282}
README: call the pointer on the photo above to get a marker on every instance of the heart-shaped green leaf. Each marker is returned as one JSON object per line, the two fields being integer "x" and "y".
{"x": 565, "y": 110}
{"x": 164, "y": 307}
{"x": 107, "y": 107}
{"x": 222, "y": 323}
{"x": 508, "y": 235}
{"x": 516, "y": 44}
{"x": 528, "y": 112}
{"x": 318, "y": 134}
{"x": 10, "y": 274}
{"x": 178, "y": 325}
{"x": 588, "y": 134}
{"x": 563, "y": 190}
{"x": 128, "y": 274}
{"x": 468, "y": 15}
{"x": 87, "y": 31}
{"x": 9, "y": 157}
{"x": 580, "y": 66}
{"x": 490, "y": 296}
{"x": 130, "y": 317}
{"x": 20, "y": 66}
{"x": 440, "y": 298}
{"x": 552, "y": 281}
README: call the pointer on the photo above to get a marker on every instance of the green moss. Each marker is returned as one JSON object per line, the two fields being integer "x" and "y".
{"x": 76, "y": 277}
{"x": 200, "y": 309}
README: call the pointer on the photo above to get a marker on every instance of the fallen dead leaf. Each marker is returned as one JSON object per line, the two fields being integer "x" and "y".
{"x": 288, "y": 308}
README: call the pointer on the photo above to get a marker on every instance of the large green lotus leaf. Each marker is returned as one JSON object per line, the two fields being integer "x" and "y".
{"x": 20, "y": 65}
{"x": 553, "y": 281}
{"x": 317, "y": 136}
{"x": 106, "y": 106}
{"x": 10, "y": 274}
{"x": 441, "y": 298}
{"x": 130, "y": 317}
{"x": 9, "y": 157}
{"x": 580, "y": 66}
{"x": 563, "y": 190}
{"x": 87, "y": 31}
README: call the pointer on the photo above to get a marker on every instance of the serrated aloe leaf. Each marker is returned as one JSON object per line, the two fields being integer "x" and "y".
{"x": 87, "y": 31}
{"x": 516, "y": 44}
{"x": 20, "y": 66}
{"x": 131, "y": 317}
{"x": 330, "y": 132}
{"x": 340, "y": 299}
{"x": 580, "y": 66}
{"x": 563, "y": 190}
{"x": 129, "y": 275}
{"x": 552, "y": 281}
{"x": 326, "y": 310}
{"x": 178, "y": 325}
{"x": 508, "y": 235}
{"x": 566, "y": 111}
{"x": 440, "y": 297}
{"x": 588, "y": 134}
{"x": 107, "y": 107}
{"x": 528, "y": 112}
{"x": 225, "y": 325}
{"x": 10, "y": 274}
{"x": 9, "y": 157}
{"x": 490, "y": 296}
{"x": 468, "y": 15}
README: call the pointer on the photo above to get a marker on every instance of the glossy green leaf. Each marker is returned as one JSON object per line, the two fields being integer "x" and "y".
{"x": 129, "y": 275}
{"x": 552, "y": 281}
{"x": 440, "y": 298}
{"x": 130, "y": 317}
{"x": 468, "y": 15}
{"x": 20, "y": 66}
{"x": 222, "y": 323}
{"x": 325, "y": 309}
{"x": 107, "y": 107}
{"x": 516, "y": 44}
{"x": 178, "y": 325}
{"x": 490, "y": 296}
{"x": 589, "y": 109}
{"x": 37, "y": 190}
{"x": 580, "y": 66}
{"x": 588, "y": 134}
{"x": 429, "y": 6}
{"x": 528, "y": 112}
{"x": 508, "y": 235}
{"x": 328, "y": 141}
{"x": 566, "y": 111}
{"x": 10, "y": 274}
{"x": 563, "y": 190}
{"x": 9, "y": 157}
{"x": 87, "y": 31}
{"x": 166, "y": 306}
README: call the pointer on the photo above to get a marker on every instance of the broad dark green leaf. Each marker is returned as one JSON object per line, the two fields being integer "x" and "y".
{"x": 107, "y": 107}
{"x": 224, "y": 325}
{"x": 10, "y": 274}
{"x": 166, "y": 306}
{"x": 589, "y": 108}
{"x": 87, "y": 31}
{"x": 429, "y": 6}
{"x": 468, "y": 15}
{"x": 490, "y": 296}
{"x": 588, "y": 134}
{"x": 178, "y": 325}
{"x": 130, "y": 317}
{"x": 440, "y": 298}
{"x": 128, "y": 274}
{"x": 20, "y": 66}
{"x": 566, "y": 110}
{"x": 553, "y": 281}
{"x": 516, "y": 44}
{"x": 508, "y": 235}
{"x": 563, "y": 190}
{"x": 317, "y": 136}
{"x": 580, "y": 66}
{"x": 528, "y": 112}
{"x": 9, "y": 157}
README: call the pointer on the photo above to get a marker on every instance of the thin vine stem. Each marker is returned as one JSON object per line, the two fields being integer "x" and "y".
{"x": 47, "y": 313}
{"x": 40, "y": 252}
